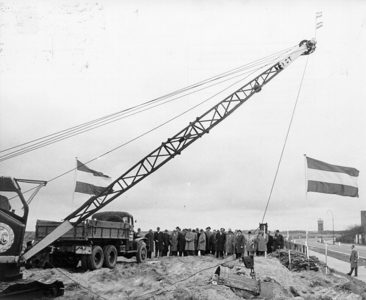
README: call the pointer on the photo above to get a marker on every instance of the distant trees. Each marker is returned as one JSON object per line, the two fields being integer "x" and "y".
{"x": 349, "y": 234}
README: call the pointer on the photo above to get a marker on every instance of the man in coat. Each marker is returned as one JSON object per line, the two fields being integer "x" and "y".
{"x": 166, "y": 242}
{"x": 229, "y": 245}
{"x": 182, "y": 242}
{"x": 277, "y": 241}
{"x": 262, "y": 243}
{"x": 251, "y": 245}
{"x": 190, "y": 241}
{"x": 270, "y": 243}
{"x": 354, "y": 261}
{"x": 239, "y": 244}
{"x": 208, "y": 240}
{"x": 220, "y": 243}
{"x": 213, "y": 242}
{"x": 149, "y": 243}
{"x": 173, "y": 243}
{"x": 159, "y": 243}
{"x": 202, "y": 243}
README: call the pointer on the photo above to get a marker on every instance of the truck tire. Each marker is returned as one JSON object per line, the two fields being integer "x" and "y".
{"x": 110, "y": 256}
{"x": 141, "y": 253}
{"x": 85, "y": 261}
{"x": 97, "y": 258}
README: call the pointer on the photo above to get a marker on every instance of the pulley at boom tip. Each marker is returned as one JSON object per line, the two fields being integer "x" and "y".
{"x": 310, "y": 44}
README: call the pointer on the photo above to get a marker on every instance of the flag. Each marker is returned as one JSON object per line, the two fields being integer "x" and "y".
{"x": 89, "y": 181}
{"x": 331, "y": 179}
{"x": 318, "y": 24}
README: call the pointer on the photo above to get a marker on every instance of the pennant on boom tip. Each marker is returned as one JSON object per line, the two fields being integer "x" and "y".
{"x": 89, "y": 181}
{"x": 317, "y": 16}
{"x": 331, "y": 179}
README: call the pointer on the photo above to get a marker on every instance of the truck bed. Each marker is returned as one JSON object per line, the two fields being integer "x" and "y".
{"x": 89, "y": 229}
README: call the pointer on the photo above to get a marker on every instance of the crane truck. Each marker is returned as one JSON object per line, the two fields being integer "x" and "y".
{"x": 11, "y": 258}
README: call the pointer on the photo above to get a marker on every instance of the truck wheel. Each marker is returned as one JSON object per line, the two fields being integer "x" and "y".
{"x": 85, "y": 261}
{"x": 110, "y": 256}
{"x": 97, "y": 258}
{"x": 141, "y": 253}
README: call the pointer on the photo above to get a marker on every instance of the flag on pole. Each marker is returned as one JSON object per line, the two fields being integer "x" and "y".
{"x": 89, "y": 181}
{"x": 331, "y": 179}
{"x": 318, "y": 24}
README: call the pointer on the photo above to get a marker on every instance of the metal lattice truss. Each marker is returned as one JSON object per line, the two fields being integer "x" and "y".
{"x": 176, "y": 144}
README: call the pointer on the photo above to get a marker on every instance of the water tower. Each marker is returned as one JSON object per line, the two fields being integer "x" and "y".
{"x": 321, "y": 229}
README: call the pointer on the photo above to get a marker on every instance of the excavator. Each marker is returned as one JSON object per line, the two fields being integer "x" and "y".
{"x": 12, "y": 227}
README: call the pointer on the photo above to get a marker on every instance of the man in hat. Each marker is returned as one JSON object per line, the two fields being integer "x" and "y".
{"x": 251, "y": 245}
{"x": 159, "y": 243}
{"x": 166, "y": 242}
{"x": 220, "y": 240}
{"x": 277, "y": 241}
{"x": 208, "y": 240}
{"x": 149, "y": 243}
{"x": 239, "y": 244}
{"x": 190, "y": 240}
{"x": 202, "y": 242}
{"x": 181, "y": 242}
{"x": 229, "y": 249}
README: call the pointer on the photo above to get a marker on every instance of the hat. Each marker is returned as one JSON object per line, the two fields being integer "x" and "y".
{"x": 208, "y": 228}
{"x": 249, "y": 232}
{"x": 239, "y": 230}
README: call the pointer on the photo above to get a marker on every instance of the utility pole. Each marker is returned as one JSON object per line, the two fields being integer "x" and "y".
{"x": 333, "y": 224}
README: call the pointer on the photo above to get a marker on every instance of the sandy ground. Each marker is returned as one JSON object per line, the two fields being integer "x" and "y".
{"x": 190, "y": 278}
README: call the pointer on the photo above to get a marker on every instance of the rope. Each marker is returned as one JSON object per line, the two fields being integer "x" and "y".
{"x": 84, "y": 287}
{"x": 79, "y": 129}
{"x": 284, "y": 145}
{"x": 151, "y": 130}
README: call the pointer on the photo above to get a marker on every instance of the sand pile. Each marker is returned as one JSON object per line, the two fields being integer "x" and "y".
{"x": 189, "y": 278}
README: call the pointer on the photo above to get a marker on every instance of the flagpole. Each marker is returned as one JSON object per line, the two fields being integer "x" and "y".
{"x": 307, "y": 209}
{"x": 73, "y": 192}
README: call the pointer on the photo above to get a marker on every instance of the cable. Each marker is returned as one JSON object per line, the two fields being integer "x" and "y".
{"x": 84, "y": 287}
{"x": 162, "y": 124}
{"x": 284, "y": 145}
{"x": 70, "y": 132}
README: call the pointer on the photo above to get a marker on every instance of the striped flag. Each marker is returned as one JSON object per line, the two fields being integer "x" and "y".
{"x": 331, "y": 179}
{"x": 89, "y": 181}
{"x": 317, "y": 16}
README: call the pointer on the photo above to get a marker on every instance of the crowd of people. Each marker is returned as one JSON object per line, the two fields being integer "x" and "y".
{"x": 220, "y": 243}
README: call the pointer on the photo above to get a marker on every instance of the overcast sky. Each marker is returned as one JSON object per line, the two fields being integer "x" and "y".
{"x": 63, "y": 63}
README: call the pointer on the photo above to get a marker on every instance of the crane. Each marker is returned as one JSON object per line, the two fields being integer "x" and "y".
{"x": 172, "y": 146}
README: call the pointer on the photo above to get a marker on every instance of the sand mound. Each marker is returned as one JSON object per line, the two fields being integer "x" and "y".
{"x": 189, "y": 278}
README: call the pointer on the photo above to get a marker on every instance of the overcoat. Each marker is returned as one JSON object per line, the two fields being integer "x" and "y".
{"x": 202, "y": 242}
{"x": 270, "y": 243}
{"x": 251, "y": 245}
{"x": 166, "y": 242}
{"x": 174, "y": 241}
{"x": 190, "y": 241}
{"x": 208, "y": 240}
{"x": 354, "y": 259}
{"x": 262, "y": 242}
{"x": 181, "y": 242}
{"x": 158, "y": 238}
{"x": 239, "y": 244}
{"x": 277, "y": 242}
{"x": 229, "y": 246}
{"x": 220, "y": 241}
{"x": 213, "y": 242}
{"x": 150, "y": 242}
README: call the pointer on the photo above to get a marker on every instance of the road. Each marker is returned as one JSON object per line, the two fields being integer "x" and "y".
{"x": 342, "y": 248}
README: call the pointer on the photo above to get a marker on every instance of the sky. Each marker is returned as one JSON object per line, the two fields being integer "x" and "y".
{"x": 64, "y": 63}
